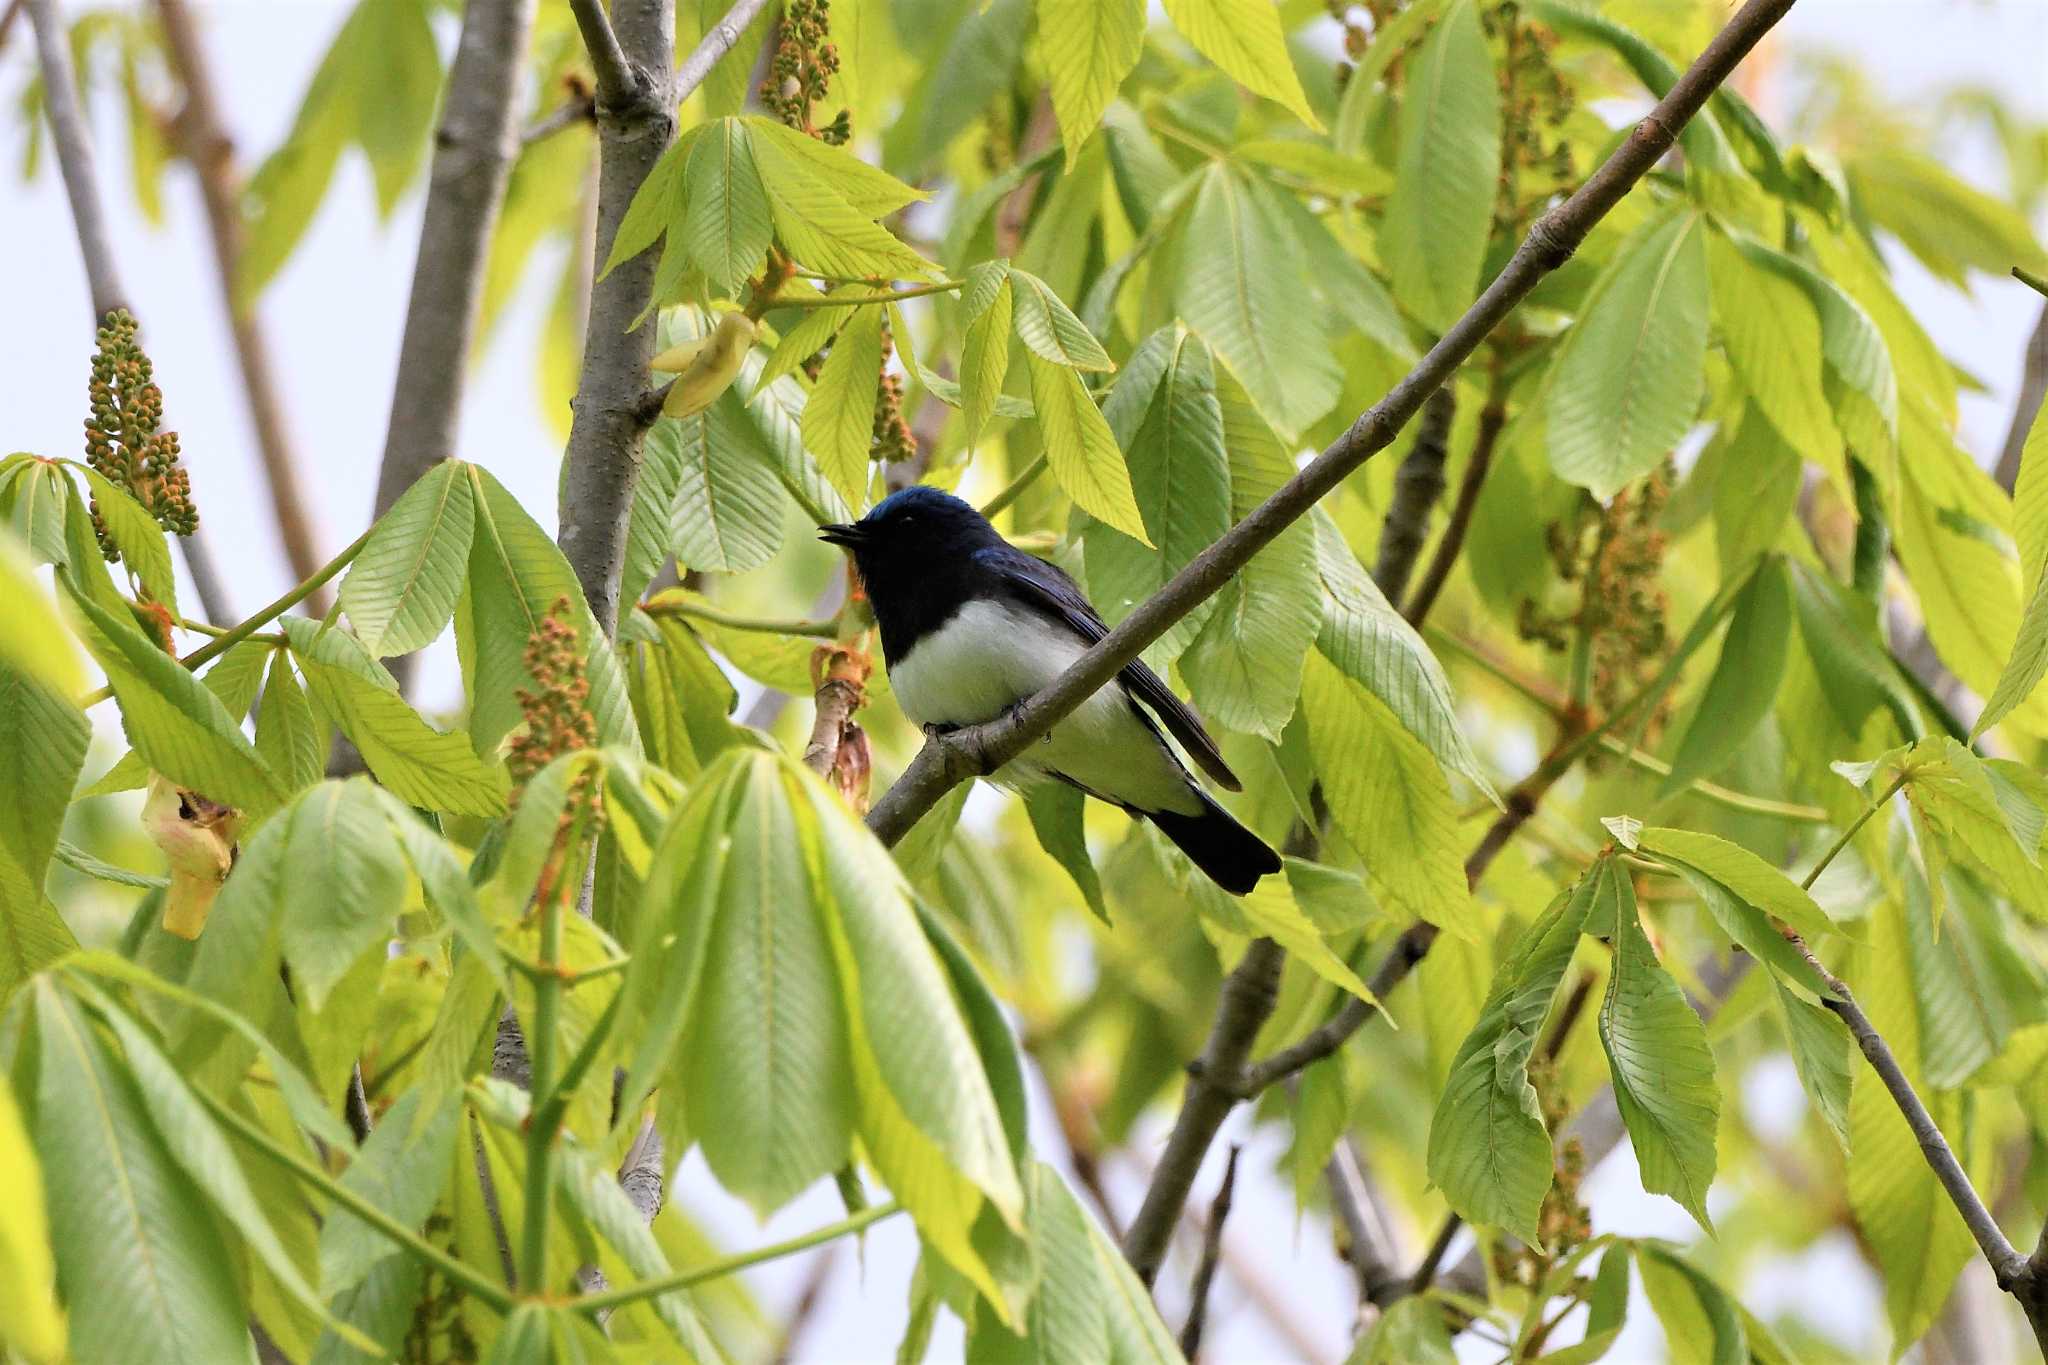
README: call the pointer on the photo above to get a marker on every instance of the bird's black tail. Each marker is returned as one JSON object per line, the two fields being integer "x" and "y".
{"x": 1233, "y": 857}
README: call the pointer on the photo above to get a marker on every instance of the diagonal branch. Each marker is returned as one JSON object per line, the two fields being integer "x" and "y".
{"x": 473, "y": 153}
{"x": 73, "y": 141}
{"x": 203, "y": 141}
{"x": 947, "y": 761}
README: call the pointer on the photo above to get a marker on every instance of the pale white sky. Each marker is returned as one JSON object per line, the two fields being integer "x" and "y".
{"x": 334, "y": 317}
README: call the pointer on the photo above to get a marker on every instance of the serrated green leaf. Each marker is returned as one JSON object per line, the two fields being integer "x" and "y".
{"x": 1748, "y": 877}
{"x": 872, "y": 191}
{"x": 1772, "y": 336}
{"x": 1662, "y": 1068}
{"x": 36, "y": 642}
{"x": 2029, "y": 658}
{"x": 1082, "y": 450}
{"x": 1824, "y": 1055}
{"x": 1049, "y": 328}
{"x": 43, "y": 740}
{"x": 1440, "y": 213}
{"x": 1627, "y": 383}
{"x": 985, "y": 353}
{"x": 658, "y": 205}
{"x": 817, "y": 222}
{"x": 1745, "y": 679}
{"x": 350, "y": 884}
{"x": 125, "y": 1220}
{"x": 288, "y": 736}
{"x": 1088, "y": 46}
{"x": 1249, "y": 298}
{"x": 1180, "y": 474}
{"x": 402, "y": 1169}
{"x": 174, "y": 721}
{"x": 727, "y": 222}
{"x": 839, "y": 416}
{"x": 729, "y": 506}
{"x": 401, "y": 590}
{"x": 1067, "y": 1317}
{"x": 1246, "y": 39}
{"x": 137, "y": 536}
{"x": 37, "y": 499}
{"x": 1244, "y": 665}
{"x": 593, "y": 1192}
{"x": 1701, "y": 1321}
{"x": 1488, "y": 1149}
{"x": 1056, "y": 812}
{"x": 30, "y": 1320}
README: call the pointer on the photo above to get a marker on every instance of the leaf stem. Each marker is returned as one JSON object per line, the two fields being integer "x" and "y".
{"x": 681, "y": 606}
{"x": 1015, "y": 489}
{"x": 683, "y": 1279}
{"x": 2030, "y": 279}
{"x": 227, "y": 640}
{"x": 856, "y": 300}
{"x": 457, "y": 1271}
{"x": 547, "y": 1112}
{"x": 1850, "y": 833}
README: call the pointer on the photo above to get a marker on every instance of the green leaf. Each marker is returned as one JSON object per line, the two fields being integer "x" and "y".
{"x": 1752, "y": 929}
{"x": 402, "y": 1169}
{"x": 1824, "y": 1055}
{"x": 989, "y": 304}
{"x": 729, "y": 507}
{"x": 659, "y": 203}
{"x": 1049, "y": 327}
{"x": 1702, "y": 1323}
{"x": 2029, "y": 658}
{"x": 196, "y": 1143}
{"x": 31, "y": 1323}
{"x": 350, "y": 884}
{"x": 1433, "y": 237}
{"x": 1410, "y": 1332}
{"x": 174, "y": 721}
{"x": 1244, "y": 665}
{"x": 401, "y": 590}
{"x": 137, "y": 536}
{"x": 39, "y": 496}
{"x": 1951, "y": 226}
{"x": 1180, "y": 474}
{"x": 1488, "y": 1149}
{"x": 1745, "y": 679}
{"x": 1081, "y": 449}
{"x": 727, "y": 223}
{"x": 839, "y": 416}
{"x": 1773, "y": 339}
{"x": 1248, "y": 296}
{"x": 444, "y": 880}
{"x": 1067, "y": 1318}
{"x": 1855, "y": 672}
{"x": 1627, "y": 384}
{"x": 1088, "y": 47}
{"x": 288, "y": 735}
{"x": 1136, "y": 1334}
{"x": 129, "y": 1227}
{"x": 1246, "y": 39}
{"x": 1749, "y": 878}
{"x": 1056, "y": 811}
{"x": 825, "y": 201}
{"x": 1662, "y": 1068}
{"x": 43, "y": 740}
{"x": 516, "y": 575}
{"x": 1366, "y": 638}
{"x": 433, "y": 769}
{"x": 37, "y": 642}
{"x": 593, "y": 1191}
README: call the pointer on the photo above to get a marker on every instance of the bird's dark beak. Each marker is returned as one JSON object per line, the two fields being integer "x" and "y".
{"x": 840, "y": 533}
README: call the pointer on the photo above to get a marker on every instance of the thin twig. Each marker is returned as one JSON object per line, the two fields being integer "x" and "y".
{"x": 578, "y": 108}
{"x": 2033, "y": 388}
{"x": 977, "y": 750}
{"x": 1212, "y": 1251}
{"x": 203, "y": 141}
{"x": 1015, "y": 488}
{"x": 712, "y": 1270}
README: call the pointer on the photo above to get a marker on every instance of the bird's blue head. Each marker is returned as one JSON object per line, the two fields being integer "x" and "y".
{"x": 913, "y": 534}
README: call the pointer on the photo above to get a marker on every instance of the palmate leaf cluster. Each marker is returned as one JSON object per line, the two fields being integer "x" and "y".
{"x": 1130, "y": 273}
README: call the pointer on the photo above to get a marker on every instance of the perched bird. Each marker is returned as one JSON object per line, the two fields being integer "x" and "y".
{"x": 972, "y": 626}
{"x": 705, "y": 366}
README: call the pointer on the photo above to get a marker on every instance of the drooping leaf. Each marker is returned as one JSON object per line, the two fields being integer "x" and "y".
{"x": 1745, "y": 678}
{"x": 1440, "y": 213}
{"x": 1089, "y": 47}
{"x": 1046, "y": 325}
{"x": 839, "y": 416}
{"x": 727, "y": 222}
{"x": 1627, "y": 383}
{"x": 825, "y": 201}
{"x": 30, "y": 1320}
{"x": 1056, "y": 811}
{"x": 729, "y": 507}
{"x": 288, "y": 735}
{"x": 1081, "y": 449}
{"x": 1246, "y": 39}
{"x": 43, "y": 740}
{"x": 137, "y": 536}
{"x": 351, "y": 884}
{"x": 2029, "y": 658}
{"x": 1773, "y": 339}
{"x": 1662, "y": 1068}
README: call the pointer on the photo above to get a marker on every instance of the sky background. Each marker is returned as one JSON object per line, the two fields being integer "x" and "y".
{"x": 334, "y": 315}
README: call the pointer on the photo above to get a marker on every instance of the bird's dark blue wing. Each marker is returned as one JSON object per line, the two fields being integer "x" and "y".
{"x": 1045, "y": 588}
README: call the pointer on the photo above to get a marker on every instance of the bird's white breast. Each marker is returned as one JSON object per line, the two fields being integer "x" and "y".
{"x": 989, "y": 656}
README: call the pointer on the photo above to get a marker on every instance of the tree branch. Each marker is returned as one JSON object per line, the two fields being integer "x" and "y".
{"x": 2033, "y": 388}
{"x": 1492, "y": 418}
{"x": 619, "y": 79}
{"x": 73, "y": 142}
{"x": 1418, "y": 483}
{"x": 203, "y": 141}
{"x": 1212, "y": 1252}
{"x": 945, "y": 762}
{"x": 473, "y": 153}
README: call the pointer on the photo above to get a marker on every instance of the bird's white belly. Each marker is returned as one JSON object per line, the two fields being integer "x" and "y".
{"x": 989, "y": 657}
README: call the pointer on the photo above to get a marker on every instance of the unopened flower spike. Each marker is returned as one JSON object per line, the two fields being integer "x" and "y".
{"x": 123, "y": 441}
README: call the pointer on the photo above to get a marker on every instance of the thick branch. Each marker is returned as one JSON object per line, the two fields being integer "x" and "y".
{"x": 618, "y": 79}
{"x": 1418, "y": 483}
{"x": 203, "y": 141}
{"x": 943, "y": 763}
{"x": 473, "y": 153}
